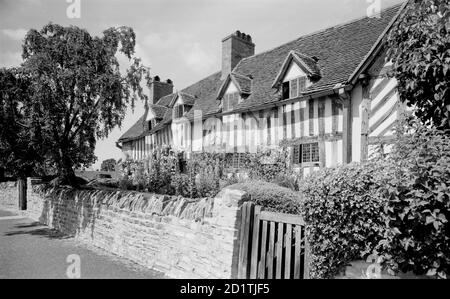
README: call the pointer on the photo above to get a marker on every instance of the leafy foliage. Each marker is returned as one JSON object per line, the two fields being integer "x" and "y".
{"x": 268, "y": 164}
{"x": 418, "y": 212}
{"x": 108, "y": 165}
{"x": 20, "y": 147}
{"x": 419, "y": 46}
{"x": 271, "y": 196}
{"x": 343, "y": 209}
{"x": 397, "y": 208}
{"x": 77, "y": 93}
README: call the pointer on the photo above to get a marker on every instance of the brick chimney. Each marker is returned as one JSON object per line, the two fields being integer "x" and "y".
{"x": 159, "y": 89}
{"x": 235, "y": 47}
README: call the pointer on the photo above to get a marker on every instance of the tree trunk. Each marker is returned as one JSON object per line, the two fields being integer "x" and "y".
{"x": 66, "y": 172}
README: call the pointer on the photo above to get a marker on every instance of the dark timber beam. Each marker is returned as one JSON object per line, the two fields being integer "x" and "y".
{"x": 346, "y": 101}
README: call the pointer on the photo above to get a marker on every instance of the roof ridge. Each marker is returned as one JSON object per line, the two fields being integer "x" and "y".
{"x": 205, "y": 78}
{"x": 340, "y": 25}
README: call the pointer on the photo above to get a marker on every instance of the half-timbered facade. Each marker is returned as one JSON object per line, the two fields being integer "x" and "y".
{"x": 327, "y": 96}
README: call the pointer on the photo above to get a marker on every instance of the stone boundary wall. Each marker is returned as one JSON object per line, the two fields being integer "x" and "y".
{"x": 179, "y": 237}
{"x": 9, "y": 196}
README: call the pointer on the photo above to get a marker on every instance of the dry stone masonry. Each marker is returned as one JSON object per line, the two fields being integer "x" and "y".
{"x": 181, "y": 237}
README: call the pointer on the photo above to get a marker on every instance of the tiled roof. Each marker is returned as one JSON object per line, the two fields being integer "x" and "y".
{"x": 310, "y": 63}
{"x": 244, "y": 82}
{"x": 158, "y": 110}
{"x": 188, "y": 99}
{"x": 166, "y": 100}
{"x": 135, "y": 131}
{"x": 339, "y": 50}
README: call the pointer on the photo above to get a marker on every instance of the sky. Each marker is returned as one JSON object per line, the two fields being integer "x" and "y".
{"x": 177, "y": 39}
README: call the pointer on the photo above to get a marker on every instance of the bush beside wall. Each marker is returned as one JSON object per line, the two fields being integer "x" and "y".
{"x": 344, "y": 210}
{"x": 272, "y": 197}
{"x": 397, "y": 208}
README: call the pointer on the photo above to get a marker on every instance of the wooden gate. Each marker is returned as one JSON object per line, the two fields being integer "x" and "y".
{"x": 272, "y": 245}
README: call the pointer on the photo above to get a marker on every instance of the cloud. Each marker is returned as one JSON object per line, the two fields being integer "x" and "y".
{"x": 10, "y": 59}
{"x": 197, "y": 58}
{"x": 180, "y": 48}
{"x": 15, "y": 34}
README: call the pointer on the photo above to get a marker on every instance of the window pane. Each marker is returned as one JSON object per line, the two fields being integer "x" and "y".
{"x": 296, "y": 154}
{"x": 315, "y": 152}
{"x": 294, "y": 88}
{"x": 306, "y": 153}
{"x": 302, "y": 84}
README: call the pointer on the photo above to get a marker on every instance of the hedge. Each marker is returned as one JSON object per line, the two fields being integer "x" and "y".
{"x": 343, "y": 209}
{"x": 396, "y": 207}
{"x": 272, "y": 197}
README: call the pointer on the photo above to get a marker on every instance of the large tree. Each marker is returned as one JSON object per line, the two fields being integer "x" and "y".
{"x": 419, "y": 46}
{"x": 78, "y": 91}
{"x": 21, "y": 150}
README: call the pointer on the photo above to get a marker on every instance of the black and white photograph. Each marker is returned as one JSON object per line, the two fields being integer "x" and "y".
{"x": 225, "y": 144}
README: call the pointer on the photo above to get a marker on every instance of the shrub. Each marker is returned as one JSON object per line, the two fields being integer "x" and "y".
{"x": 343, "y": 209}
{"x": 161, "y": 165}
{"x": 397, "y": 208}
{"x": 267, "y": 164}
{"x": 271, "y": 196}
{"x": 208, "y": 169}
{"x": 125, "y": 183}
{"x": 182, "y": 185}
{"x": 287, "y": 180}
{"x": 418, "y": 234}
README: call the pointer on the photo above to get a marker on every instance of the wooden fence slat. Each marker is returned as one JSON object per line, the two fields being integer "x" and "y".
{"x": 255, "y": 241}
{"x": 270, "y": 252}
{"x": 306, "y": 257}
{"x": 242, "y": 245}
{"x": 279, "y": 250}
{"x": 262, "y": 267}
{"x": 246, "y": 222}
{"x": 278, "y": 246}
{"x": 286, "y": 218}
{"x": 297, "y": 252}
{"x": 287, "y": 265}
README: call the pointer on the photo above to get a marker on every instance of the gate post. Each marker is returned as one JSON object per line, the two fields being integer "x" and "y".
{"x": 245, "y": 240}
{"x": 22, "y": 191}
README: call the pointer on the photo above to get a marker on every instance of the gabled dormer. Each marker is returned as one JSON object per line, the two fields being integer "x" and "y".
{"x": 297, "y": 73}
{"x": 182, "y": 105}
{"x": 234, "y": 89}
{"x": 154, "y": 116}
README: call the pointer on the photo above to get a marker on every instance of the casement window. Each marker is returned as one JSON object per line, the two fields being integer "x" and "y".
{"x": 230, "y": 101}
{"x": 150, "y": 125}
{"x": 306, "y": 153}
{"x": 293, "y": 89}
{"x": 237, "y": 160}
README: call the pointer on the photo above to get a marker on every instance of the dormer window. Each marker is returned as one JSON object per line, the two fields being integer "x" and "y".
{"x": 297, "y": 74}
{"x": 294, "y": 88}
{"x": 230, "y": 101}
{"x": 180, "y": 110}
